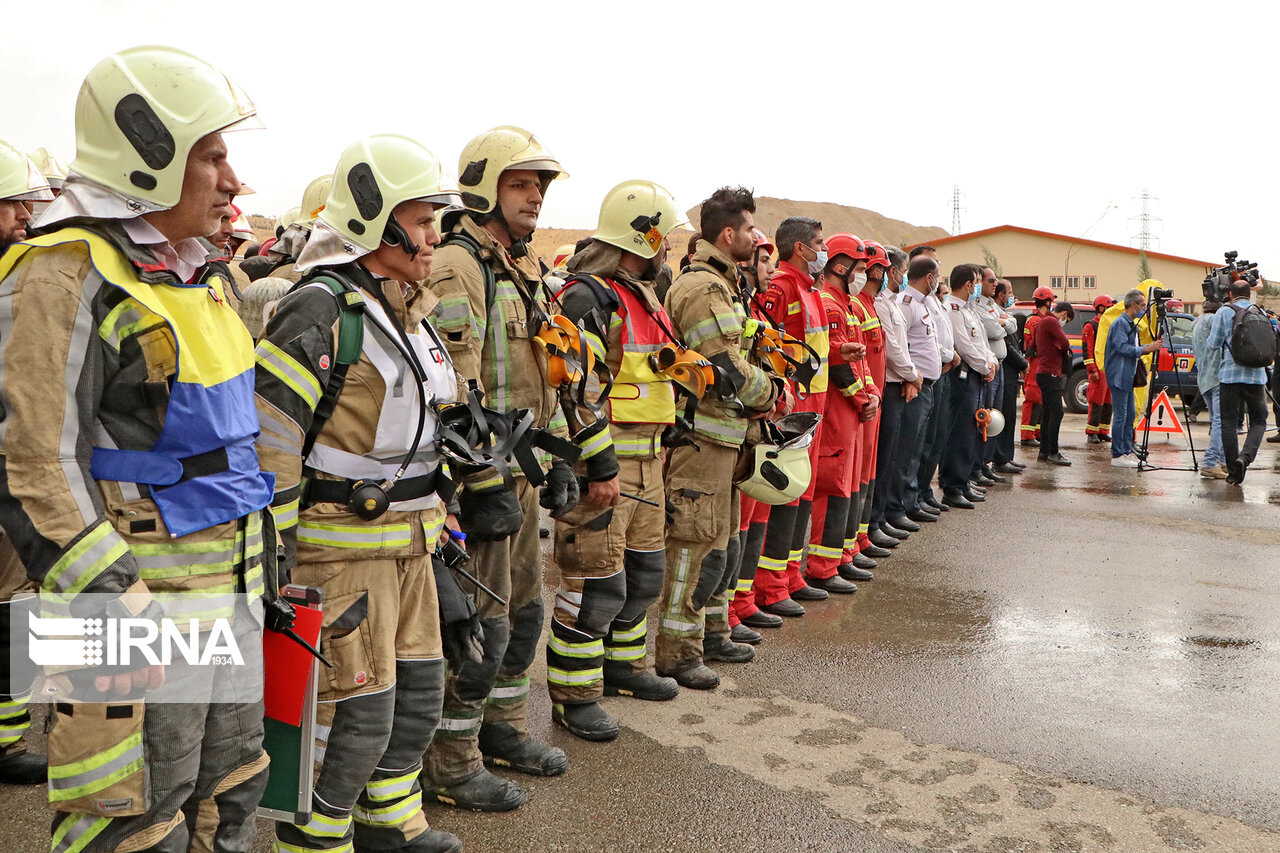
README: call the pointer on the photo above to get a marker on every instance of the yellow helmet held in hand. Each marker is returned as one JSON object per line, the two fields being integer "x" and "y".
{"x": 20, "y": 180}
{"x": 53, "y": 169}
{"x": 313, "y": 199}
{"x": 374, "y": 175}
{"x": 495, "y": 151}
{"x": 141, "y": 111}
{"x": 636, "y": 216}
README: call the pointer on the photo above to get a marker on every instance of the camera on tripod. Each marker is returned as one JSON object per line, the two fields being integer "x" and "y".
{"x": 1217, "y": 284}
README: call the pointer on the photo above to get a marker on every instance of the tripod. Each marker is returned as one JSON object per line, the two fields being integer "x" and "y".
{"x": 1162, "y": 327}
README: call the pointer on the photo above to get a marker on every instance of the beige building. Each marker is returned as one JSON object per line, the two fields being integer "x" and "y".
{"x": 1076, "y": 269}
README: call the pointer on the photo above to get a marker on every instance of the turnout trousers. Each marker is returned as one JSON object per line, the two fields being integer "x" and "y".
{"x": 495, "y": 690}
{"x": 835, "y": 477}
{"x": 753, "y": 524}
{"x": 15, "y": 683}
{"x": 865, "y": 494}
{"x": 171, "y": 777}
{"x": 379, "y": 705}
{"x": 611, "y": 564}
{"x": 704, "y": 517}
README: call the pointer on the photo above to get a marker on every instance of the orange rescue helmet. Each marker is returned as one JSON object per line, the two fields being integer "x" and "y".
{"x": 877, "y": 255}
{"x": 1103, "y": 302}
{"x": 847, "y": 245}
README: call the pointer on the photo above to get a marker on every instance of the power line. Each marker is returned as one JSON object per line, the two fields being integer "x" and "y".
{"x": 955, "y": 210}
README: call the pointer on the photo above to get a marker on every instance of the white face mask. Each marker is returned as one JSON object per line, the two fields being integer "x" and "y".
{"x": 859, "y": 280}
{"x": 819, "y": 263}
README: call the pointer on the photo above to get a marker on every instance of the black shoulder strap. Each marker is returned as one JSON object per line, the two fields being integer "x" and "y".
{"x": 350, "y": 345}
{"x": 466, "y": 241}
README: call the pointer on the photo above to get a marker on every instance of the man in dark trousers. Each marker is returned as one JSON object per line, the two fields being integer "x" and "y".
{"x": 1052, "y": 347}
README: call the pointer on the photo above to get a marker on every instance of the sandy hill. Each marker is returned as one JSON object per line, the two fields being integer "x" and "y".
{"x": 769, "y": 213}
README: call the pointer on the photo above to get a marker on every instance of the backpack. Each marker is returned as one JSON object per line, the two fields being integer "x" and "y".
{"x": 1253, "y": 338}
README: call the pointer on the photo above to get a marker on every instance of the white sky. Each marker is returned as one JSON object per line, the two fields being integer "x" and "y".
{"x": 1043, "y": 113}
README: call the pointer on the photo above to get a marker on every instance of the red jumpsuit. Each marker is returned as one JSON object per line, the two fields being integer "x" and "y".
{"x": 840, "y": 454}
{"x": 1099, "y": 395}
{"x": 864, "y": 313}
{"x": 1031, "y": 401}
{"x": 753, "y": 521}
{"x": 794, "y": 302}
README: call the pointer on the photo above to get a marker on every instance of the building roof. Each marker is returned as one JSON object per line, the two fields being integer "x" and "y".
{"x": 1017, "y": 229}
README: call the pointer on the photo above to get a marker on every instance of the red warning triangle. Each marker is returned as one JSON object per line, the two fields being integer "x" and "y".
{"x": 1163, "y": 417}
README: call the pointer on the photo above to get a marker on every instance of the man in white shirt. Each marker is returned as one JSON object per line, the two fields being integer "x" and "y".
{"x": 902, "y": 384}
{"x": 977, "y": 365}
{"x": 935, "y": 437}
{"x": 922, "y": 345}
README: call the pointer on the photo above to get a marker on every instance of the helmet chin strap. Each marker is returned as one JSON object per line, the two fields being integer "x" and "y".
{"x": 519, "y": 248}
{"x": 395, "y": 235}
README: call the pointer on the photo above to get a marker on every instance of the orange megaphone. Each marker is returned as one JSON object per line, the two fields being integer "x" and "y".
{"x": 685, "y": 367}
{"x": 984, "y": 419}
{"x": 565, "y": 357}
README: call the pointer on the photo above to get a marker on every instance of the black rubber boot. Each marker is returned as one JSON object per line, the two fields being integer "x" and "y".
{"x": 433, "y": 841}
{"x": 729, "y": 652}
{"x": 740, "y": 633}
{"x": 587, "y": 721}
{"x": 23, "y": 768}
{"x": 697, "y": 677}
{"x": 503, "y": 746}
{"x": 639, "y": 685}
{"x": 483, "y": 792}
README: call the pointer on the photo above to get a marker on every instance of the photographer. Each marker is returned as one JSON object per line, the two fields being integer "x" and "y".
{"x": 1239, "y": 386}
{"x": 1207, "y": 362}
{"x": 1120, "y": 366}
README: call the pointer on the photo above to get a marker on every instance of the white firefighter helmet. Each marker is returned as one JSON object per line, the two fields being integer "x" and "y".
{"x": 141, "y": 111}
{"x": 780, "y": 470}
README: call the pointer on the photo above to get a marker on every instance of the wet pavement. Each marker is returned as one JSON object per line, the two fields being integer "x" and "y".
{"x": 1090, "y": 660}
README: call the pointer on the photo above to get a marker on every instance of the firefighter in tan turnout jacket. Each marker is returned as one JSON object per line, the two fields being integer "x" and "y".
{"x": 609, "y": 548}
{"x": 491, "y": 306}
{"x": 129, "y": 463}
{"x": 705, "y": 308}
{"x": 21, "y": 185}
{"x": 348, "y": 376}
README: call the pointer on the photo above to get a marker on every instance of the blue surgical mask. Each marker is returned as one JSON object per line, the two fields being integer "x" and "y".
{"x": 1008, "y": 303}
{"x": 973, "y": 297}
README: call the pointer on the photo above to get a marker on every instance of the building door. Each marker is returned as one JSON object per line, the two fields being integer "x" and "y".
{"x": 1023, "y": 286}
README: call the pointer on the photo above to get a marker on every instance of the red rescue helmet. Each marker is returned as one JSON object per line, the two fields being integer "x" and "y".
{"x": 877, "y": 256}
{"x": 847, "y": 245}
{"x": 1043, "y": 293}
{"x": 762, "y": 242}
{"x": 1103, "y": 302}
{"x": 1174, "y": 305}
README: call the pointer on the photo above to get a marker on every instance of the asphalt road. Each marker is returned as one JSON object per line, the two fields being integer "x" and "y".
{"x": 1090, "y": 660}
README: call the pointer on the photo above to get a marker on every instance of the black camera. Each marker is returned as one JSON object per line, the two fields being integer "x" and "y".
{"x": 1217, "y": 284}
{"x": 1161, "y": 293}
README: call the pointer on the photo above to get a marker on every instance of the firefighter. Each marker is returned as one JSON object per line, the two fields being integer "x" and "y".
{"x": 145, "y": 455}
{"x": 610, "y": 550}
{"x": 851, "y": 402}
{"x": 793, "y": 301}
{"x": 347, "y": 370}
{"x": 863, "y": 312}
{"x": 1032, "y": 408}
{"x": 21, "y": 187}
{"x": 491, "y": 307}
{"x": 1098, "y": 429}
{"x": 707, "y": 312}
{"x": 745, "y": 616}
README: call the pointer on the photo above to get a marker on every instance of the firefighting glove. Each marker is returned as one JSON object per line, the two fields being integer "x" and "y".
{"x": 460, "y": 631}
{"x": 560, "y": 492}
{"x": 489, "y": 513}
